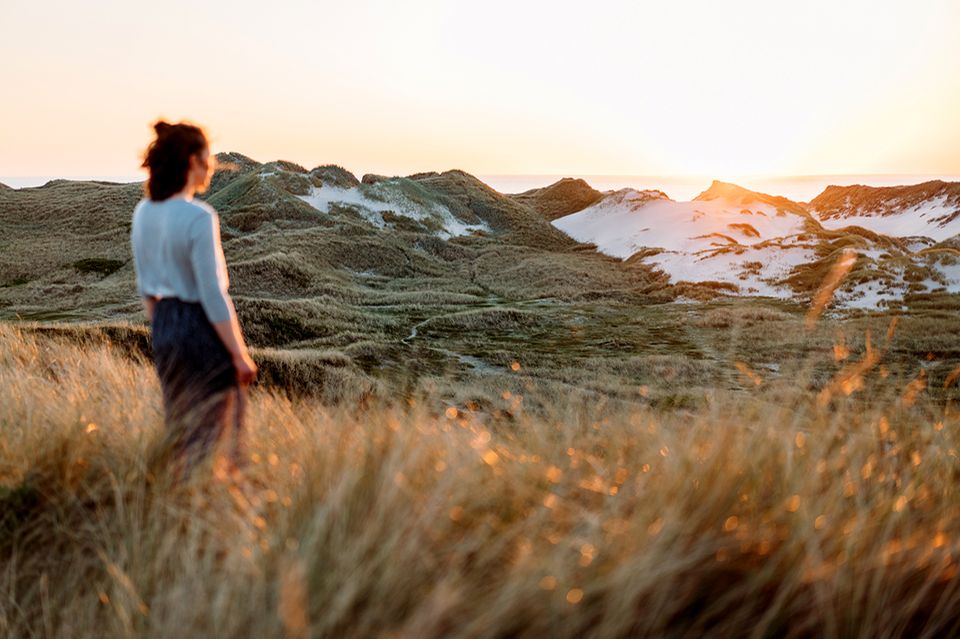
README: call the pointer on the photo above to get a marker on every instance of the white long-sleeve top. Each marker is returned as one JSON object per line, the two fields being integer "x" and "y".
{"x": 177, "y": 253}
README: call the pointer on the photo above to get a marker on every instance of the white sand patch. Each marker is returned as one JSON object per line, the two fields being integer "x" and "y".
{"x": 870, "y": 296}
{"x": 951, "y": 275}
{"x": 753, "y": 270}
{"x": 924, "y": 220}
{"x": 753, "y": 246}
{"x": 627, "y": 221}
{"x": 393, "y": 201}
{"x": 932, "y": 285}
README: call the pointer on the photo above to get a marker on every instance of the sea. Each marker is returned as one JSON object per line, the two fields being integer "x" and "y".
{"x": 798, "y": 188}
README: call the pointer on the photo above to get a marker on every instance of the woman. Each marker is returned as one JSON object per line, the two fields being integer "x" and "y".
{"x": 199, "y": 351}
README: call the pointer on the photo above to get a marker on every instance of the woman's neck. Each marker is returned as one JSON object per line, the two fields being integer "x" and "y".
{"x": 187, "y": 192}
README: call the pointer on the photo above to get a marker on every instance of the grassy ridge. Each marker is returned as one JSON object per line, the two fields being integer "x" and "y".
{"x": 503, "y": 434}
{"x": 769, "y": 512}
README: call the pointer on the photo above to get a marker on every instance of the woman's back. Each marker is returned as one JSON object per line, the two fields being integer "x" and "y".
{"x": 177, "y": 253}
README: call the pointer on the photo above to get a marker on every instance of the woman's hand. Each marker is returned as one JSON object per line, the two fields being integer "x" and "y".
{"x": 246, "y": 369}
{"x": 229, "y": 332}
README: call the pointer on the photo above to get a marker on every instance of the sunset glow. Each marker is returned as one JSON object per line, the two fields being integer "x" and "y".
{"x": 682, "y": 88}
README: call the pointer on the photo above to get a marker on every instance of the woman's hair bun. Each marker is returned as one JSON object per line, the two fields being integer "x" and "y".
{"x": 168, "y": 157}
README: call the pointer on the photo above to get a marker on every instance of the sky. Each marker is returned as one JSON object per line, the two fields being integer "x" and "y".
{"x": 719, "y": 89}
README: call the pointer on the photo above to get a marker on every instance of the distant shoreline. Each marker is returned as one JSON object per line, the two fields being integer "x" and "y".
{"x": 29, "y": 181}
{"x": 800, "y": 188}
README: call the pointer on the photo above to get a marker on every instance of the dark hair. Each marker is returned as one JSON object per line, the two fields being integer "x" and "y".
{"x": 168, "y": 158}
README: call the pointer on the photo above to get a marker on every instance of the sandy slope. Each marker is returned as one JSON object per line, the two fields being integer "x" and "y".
{"x": 750, "y": 245}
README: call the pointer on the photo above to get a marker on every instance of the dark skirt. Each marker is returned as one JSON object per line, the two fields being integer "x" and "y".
{"x": 202, "y": 402}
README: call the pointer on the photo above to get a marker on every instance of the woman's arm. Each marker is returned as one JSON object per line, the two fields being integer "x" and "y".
{"x": 210, "y": 271}
{"x": 229, "y": 332}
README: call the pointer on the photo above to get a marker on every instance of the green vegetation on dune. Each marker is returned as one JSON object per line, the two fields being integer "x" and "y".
{"x": 466, "y": 195}
{"x": 99, "y": 265}
{"x": 406, "y": 304}
{"x": 252, "y": 200}
{"x": 561, "y": 198}
{"x": 334, "y": 175}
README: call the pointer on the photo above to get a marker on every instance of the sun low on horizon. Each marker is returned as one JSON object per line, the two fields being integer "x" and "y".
{"x": 615, "y": 88}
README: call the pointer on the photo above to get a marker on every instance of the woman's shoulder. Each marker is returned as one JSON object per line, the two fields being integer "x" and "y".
{"x": 203, "y": 206}
{"x": 192, "y": 209}
{"x": 197, "y": 208}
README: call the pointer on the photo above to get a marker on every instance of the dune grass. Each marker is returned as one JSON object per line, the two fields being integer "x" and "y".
{"x": 778, "y": 511}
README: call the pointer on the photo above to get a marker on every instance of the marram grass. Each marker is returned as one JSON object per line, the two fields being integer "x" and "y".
{"x": 774, "y": 512}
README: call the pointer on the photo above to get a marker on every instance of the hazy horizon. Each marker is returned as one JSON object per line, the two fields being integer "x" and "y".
{"x": 800, "y": 188}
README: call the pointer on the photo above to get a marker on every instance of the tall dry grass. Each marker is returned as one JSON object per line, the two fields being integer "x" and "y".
{"x": 774, "y": 513}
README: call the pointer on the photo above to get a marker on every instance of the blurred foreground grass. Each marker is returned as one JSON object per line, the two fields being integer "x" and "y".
{"x": 780, "y": 510}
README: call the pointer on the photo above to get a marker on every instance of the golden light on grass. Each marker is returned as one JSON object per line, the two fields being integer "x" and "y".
{"x": 654, "y": 528}
{"x": 380, "y": 519}
{"x": 793, "y": 504}
{"x": 951, "y": 379}
{"x": 914, "y": 388}
{"x": 553, "y": 474}
{"x": 293, "y": 603}
{"x": 748, "y": 372}
{"x": 824, "y": 294}
{"x": 851, "y": 378}
{"x": 586, "y": 555}
{"x": 490, "y": 458}
{"x": 900, "y": 503}
{"x": 840, "y": 352}
{"x": 548, "y": 582}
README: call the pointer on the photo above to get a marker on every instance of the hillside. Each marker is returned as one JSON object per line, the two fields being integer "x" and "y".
{"x": 561, "y": 198}
{"x": 347, "y": 287}
{"x": 394, "y": 280}
{"x": 931, "y": 209}
{"x": 750, "y": 243}
{"x": 746, "y": 241}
